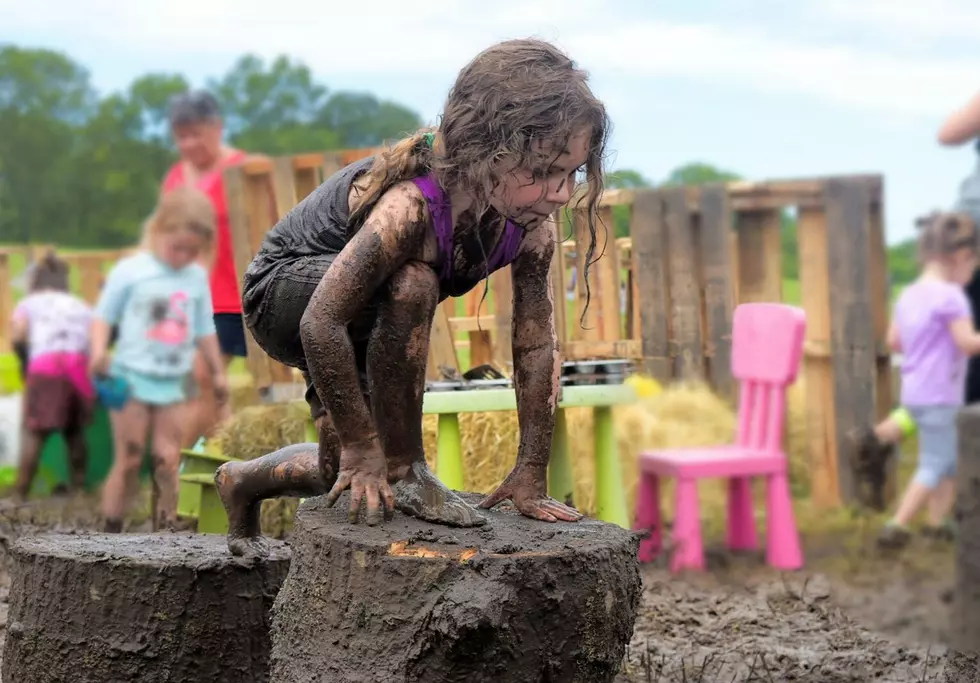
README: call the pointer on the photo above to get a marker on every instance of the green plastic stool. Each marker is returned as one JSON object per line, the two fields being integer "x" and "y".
{"x": 211, "y": 517}
{"x": 196, "y": 462}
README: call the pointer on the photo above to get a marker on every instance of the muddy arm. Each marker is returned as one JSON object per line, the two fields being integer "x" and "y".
{"x": 393, "y": 233}
{"x": 537, "y": 361}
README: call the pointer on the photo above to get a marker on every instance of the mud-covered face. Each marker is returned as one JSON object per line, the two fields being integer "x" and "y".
{"x": 529, "y": 195}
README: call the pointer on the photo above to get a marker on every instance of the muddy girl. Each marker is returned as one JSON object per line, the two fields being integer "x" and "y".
{"x": 346, "y": 285}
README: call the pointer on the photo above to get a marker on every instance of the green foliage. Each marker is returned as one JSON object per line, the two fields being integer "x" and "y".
{"x": 79, "y": 168}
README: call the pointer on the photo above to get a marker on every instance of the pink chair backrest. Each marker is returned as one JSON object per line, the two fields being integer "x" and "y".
{"x": 767, "y": 347}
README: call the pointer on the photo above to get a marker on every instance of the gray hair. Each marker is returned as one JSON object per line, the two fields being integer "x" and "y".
{"x": 195, "y": 106}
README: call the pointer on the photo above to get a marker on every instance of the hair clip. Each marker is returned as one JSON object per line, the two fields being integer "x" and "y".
{"x": 430, "y": 139}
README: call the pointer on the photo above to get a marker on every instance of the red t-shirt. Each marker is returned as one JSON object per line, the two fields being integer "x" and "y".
{"x": 225, "y": 296}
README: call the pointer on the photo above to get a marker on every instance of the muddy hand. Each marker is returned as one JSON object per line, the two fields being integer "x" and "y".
{"x": 364, "y": 470}
{"x": 527, "y": 489}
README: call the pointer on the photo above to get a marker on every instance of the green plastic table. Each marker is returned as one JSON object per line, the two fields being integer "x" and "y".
{"x": 610, "y": 498}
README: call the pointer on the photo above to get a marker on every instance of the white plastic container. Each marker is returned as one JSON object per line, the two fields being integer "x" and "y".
{"x": 10, "y": 407}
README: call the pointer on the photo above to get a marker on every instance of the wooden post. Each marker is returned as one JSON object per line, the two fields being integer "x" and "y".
{"x": 817, "y": 371}
{"x": 649, "y": 265}
{"x": 851, "y": 317}
{"x": 6, "y": 303}
{"x": 880, "y": 303}
{"x": 716, "y": 259}
{"x": 607, "y": 272}
{"x": 241, "y": 240}
{"x": 760, "y": 268}
{"x": 963, "y": 655}
{"x": 90, "y": 276}
{"x": 591, "y": 331}
{"x": 685, "y": 286}
{"x": 503, "y": 299}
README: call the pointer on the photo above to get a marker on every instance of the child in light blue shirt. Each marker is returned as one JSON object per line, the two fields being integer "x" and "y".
{"x": 162, "y": 314}
{"x": 160, "y": 300}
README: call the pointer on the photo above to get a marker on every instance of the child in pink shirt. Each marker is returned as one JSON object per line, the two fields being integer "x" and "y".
{"x": 59, "y": 396}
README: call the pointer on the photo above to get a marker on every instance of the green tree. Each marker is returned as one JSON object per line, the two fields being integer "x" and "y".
{"x": 362, "y": 120}
{"x": 698, "y": 173}
{"x": 44, "y": 96}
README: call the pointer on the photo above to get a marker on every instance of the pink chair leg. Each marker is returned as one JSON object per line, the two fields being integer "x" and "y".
{"x": 742, "y": 533}
{"x": 688, "y": 552}
{"x": 647, "y": 516}
{"x": 783, "y": 539}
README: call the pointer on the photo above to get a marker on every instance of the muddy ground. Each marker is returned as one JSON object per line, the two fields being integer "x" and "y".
{"x": 852, "y": 615}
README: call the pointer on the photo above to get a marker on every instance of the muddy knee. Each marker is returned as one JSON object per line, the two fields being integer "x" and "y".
{"x": 414, "y": 289}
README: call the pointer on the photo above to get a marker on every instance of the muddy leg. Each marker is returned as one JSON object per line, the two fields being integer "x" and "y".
{"x": 298, "y": 471}
{"x": 30, "y": 453}
{"x": 166, "y": 463}
{"x": 129, "y": 431}
{"x": 77, "y": 457}
{"x": 396, "y": 358}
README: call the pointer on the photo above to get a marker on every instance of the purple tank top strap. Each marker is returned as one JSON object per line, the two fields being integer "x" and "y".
{"x": 442, "y": 221}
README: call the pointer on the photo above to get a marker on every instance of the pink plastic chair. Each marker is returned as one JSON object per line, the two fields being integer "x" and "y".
{"x": 767, "y": 346}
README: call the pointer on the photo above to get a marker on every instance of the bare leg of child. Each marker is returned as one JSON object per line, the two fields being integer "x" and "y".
{"x": 301, "y": 471}
{"x": 30, "y": 453}
{"x": 129, "y": 431}
{"x": 941, "y": 502}
{"x": 165, "y": 449}
{"x": 77, "y": 457}
{"x": 396, "y": 358}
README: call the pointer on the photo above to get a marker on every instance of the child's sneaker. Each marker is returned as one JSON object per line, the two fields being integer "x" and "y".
{"x": 945, "y": 532}
{"x": 869, "y": 458}
{"x": 894, "y": 536}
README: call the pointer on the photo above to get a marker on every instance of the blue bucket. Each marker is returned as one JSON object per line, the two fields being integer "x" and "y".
{"x": 113, "y": 391}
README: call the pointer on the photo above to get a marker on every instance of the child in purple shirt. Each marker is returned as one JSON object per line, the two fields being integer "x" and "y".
{"x": 933, "y": 327}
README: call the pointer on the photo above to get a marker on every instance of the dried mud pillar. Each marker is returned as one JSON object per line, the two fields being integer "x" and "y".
{"x": 516, "y": 601}
{"x": 171, "y": 608}
{"x": 963, "y": 656}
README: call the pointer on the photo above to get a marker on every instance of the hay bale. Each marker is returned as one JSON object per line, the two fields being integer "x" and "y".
{"x": 678, "y": 416}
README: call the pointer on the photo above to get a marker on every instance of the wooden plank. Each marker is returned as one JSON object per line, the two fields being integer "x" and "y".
{"x": 649, "y": 264}
{"x": 332, "y": 162}
{"x": 851, "y": 317}
{"x": 442, "y": 352}
{"x": 584, "y": 350}
{"x": 283, "y": 185}
{"x": 607, "y": 278}
{"x": 817, "y": 371}
{"x": 586, "y": 325}
{"x": 716, "y": 259}
{"x": 759, "y": 256}
{"x": 90, "y": 276}
{"x": 685, "y": 288}
{"x": 558, "y": 285}
{"x": 503, "y": 298}
{"x": 238, "y": 219}
{"x": 880, "y": 298}
{"x": 6, "y": 303}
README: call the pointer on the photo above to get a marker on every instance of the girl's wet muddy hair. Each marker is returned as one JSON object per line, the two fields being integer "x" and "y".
{"x": 945, "y": 233}
{"x": 50, "y": 272}
{"x": 509, "y": 99}
{"x": 183, "y": 208}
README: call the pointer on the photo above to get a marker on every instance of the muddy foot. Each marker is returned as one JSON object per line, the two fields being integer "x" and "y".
{"x": 244, "y": 530}
{"x": 420, "y": 494}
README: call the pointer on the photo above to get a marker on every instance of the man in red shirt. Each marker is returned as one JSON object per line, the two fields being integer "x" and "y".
{"x": 195, "y": 121}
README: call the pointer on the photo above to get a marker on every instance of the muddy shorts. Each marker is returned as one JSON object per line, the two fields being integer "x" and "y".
{"x": 54, "y": 403}
{"x": 273, "y": 307}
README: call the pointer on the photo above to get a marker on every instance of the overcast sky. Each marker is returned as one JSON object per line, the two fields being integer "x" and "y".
{"x": 765, "y": 88}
